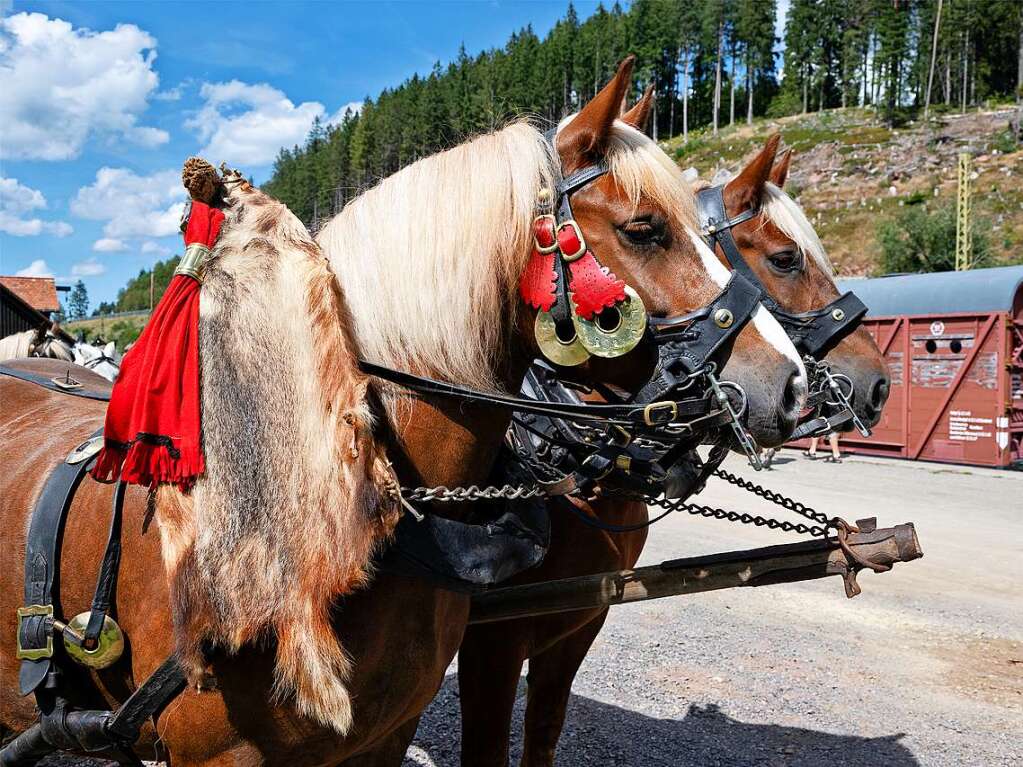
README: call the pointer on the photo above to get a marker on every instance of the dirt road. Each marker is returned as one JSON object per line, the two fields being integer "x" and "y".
{"x": 924, "y": 668}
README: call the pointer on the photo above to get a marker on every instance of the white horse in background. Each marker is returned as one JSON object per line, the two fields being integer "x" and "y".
{"x": 103, "y": 360}
{"x": 35, "y": 343}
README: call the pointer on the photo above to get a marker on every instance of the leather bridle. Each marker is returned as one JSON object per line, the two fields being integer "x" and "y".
{"x": 814, "y": 333}
{"x": 682, "y": 400}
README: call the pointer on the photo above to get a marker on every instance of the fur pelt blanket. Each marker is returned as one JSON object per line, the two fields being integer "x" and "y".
{"x": 296, "y": 495}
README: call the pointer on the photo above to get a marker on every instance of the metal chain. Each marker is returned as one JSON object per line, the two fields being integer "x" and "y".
{"x": 776, "y": 498}
{"x": 442, "y": 494}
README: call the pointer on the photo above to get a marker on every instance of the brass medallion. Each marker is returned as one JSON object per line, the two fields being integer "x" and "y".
{"x": 109, "y": 646}
{"x": 567, "y": 353}
{"x": 611, "y": 336}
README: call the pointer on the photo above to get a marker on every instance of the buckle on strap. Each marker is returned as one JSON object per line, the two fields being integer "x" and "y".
{"x": 659, "y": 413}
{"x": 571, "y": 240}
{"x": 35, "y": 621}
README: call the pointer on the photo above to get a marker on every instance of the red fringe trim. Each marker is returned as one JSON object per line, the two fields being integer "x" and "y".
{"x": 149, "y": 465}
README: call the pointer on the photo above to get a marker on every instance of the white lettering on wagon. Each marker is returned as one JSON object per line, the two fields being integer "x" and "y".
{"x": 964, "y": 426}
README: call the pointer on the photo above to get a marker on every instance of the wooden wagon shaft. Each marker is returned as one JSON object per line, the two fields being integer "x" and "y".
{"x": 753, "y": 567}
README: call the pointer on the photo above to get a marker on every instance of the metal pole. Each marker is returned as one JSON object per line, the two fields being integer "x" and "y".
{"x": 964, "y": 221}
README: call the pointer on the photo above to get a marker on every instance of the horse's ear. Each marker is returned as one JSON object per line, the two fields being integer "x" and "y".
{"x": 585, "y": 139}
{"x": 109, "y": 350}
{"x": 780, "y": 169}
{"x": 639, "y": 116}
{"x": 747, "y": 189}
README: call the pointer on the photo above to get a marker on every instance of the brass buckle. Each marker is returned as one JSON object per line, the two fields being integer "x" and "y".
{"x": 35, "y": 653}
{"x": 619, "y": 436}
{"x": 569, "y": 257}
{"x": 655, "y": 407}
{"x": 554, "y": 232}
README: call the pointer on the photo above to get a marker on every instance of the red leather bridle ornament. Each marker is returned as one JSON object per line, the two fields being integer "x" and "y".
{"x": 593, "y": 287}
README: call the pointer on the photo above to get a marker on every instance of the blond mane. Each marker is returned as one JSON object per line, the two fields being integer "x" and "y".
{"x": 431, "y": 257}
{"x": 785, "y": 214}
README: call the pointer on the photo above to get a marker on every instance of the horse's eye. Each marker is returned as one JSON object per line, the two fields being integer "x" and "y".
{"x": 786, "y": 261}
{"x": 644, "y": 232}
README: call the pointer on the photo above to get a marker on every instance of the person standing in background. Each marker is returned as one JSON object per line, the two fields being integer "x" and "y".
{"x": 835, "y": 457}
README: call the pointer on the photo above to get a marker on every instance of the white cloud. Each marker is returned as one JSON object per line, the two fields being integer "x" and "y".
{"x": 63, "y": 84}
{"x": 88, "y": 268}
{"x": 243, "y": 124}
{"x": 132, "y": 205}
{"x": 109, "y": 245}
{"x": 17, "y": 200}
{"x": 149, "y": 246}
{"x": 37, "y": 268}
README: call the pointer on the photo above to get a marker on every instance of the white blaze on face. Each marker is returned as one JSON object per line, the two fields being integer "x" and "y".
{"x": 765, "y": 324}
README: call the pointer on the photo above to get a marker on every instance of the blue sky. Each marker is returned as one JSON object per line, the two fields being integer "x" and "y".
{"x": 101, "y": 102}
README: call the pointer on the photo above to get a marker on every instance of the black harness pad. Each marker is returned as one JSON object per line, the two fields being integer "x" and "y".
{"x": 499, "y": 541}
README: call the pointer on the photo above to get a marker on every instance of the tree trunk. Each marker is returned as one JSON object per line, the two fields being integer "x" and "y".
{"x": 731, "y": 95}
{"x": 717, "y": 75}
{"x": 934, "y": 54}
{"x": 966, "y": 66}
{"x": 749, "y": 87}
{"x": 1019, "y": 66}
{"x": 685, "y": 96}
{"x": 673, "y": 93}
{"x": 948, "y": 78}
{"x": 866, "y": 71}
{"x": 806, "y": 86}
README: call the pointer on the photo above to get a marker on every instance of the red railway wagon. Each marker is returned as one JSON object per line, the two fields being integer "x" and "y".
{"x": 954, "y": 344}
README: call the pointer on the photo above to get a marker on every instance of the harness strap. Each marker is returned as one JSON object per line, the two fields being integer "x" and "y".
{"x": 162, "y": 686}
{"x": 654, "y": 414}
{"x": 107, "y": 581}
{"x": 42, "y": 552}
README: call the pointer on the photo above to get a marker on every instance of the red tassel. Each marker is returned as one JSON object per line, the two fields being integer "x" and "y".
{"x": 152, "y": 432}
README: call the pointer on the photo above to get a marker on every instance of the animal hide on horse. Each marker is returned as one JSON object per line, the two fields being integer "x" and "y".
{"x": 296, "y": 495}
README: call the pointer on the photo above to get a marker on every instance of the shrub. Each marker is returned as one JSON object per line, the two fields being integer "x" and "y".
{"x": 919, "y": 240}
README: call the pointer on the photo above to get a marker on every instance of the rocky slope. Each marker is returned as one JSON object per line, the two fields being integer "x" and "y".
{"x": 850, "y": 172}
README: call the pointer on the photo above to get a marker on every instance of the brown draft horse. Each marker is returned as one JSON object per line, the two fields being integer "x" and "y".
{"x": 429, "y": 262}
{"x": 794, "y": 270}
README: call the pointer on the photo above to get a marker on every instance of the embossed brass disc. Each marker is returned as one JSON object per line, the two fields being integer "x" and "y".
{"x": 610, "y": 336}
{"x": 108, "y": 649}
{"x": 566, "y": 352}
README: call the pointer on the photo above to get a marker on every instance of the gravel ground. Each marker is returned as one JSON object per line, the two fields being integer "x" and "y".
{"x": 924, "y": 668}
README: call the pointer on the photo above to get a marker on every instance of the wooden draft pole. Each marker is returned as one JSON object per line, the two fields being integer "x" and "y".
{"x": 964, "y": 215}
{"x": 877, "y": 549}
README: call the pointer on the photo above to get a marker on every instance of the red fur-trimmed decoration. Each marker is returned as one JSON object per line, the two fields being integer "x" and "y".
{"x": 152, "y": 432}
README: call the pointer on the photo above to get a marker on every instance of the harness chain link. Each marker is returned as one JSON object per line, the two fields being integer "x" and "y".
{"x": 442, "y": 494}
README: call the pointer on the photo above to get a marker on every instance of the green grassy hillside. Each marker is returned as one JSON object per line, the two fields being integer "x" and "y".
{"x": 850, "y": 172}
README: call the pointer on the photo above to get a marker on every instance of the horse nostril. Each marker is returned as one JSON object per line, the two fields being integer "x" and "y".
{"x": 794, "y": 394}
{"x": 879, "y": 394}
